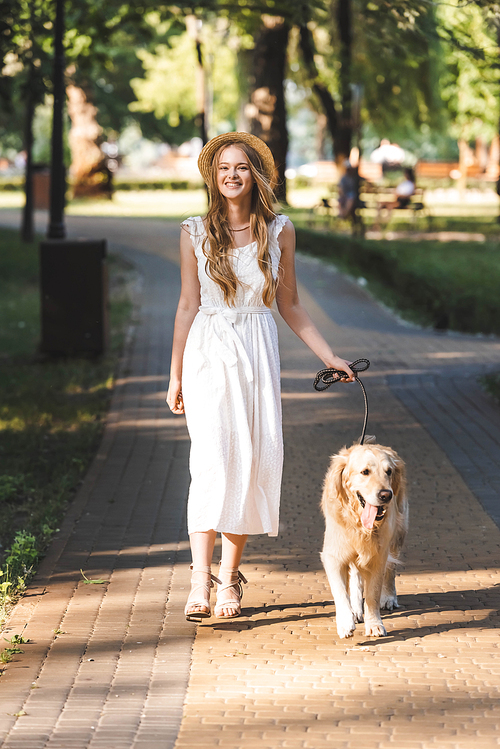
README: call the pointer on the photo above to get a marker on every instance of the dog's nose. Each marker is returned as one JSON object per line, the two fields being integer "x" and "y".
{"x": 385, "y": 495}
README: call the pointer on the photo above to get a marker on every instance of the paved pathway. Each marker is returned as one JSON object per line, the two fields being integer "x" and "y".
{"x": 128, "y": 671}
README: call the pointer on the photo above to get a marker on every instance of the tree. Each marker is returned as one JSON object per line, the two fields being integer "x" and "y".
{"x": 471, "y": 75}
{"x": 176, "y": 62}
{"x": 25, "y": 63}
{"x": 383, "y": 49}
{"x": 266, "y": 109}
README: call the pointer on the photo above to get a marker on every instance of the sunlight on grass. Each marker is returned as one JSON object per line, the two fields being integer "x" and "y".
{"x": 166, "y": 203}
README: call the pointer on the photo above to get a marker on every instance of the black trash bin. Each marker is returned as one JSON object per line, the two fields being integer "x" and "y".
{"x": 74, "y": 297}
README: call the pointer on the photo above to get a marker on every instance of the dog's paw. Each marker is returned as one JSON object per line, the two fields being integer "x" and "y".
{"x": 388, "y": 602}
{"x": 375, "y": 629}
{"x": 358, "y": 616}
{"x": 346, "y": 626}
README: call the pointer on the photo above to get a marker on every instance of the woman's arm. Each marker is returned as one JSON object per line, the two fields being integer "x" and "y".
{"x": 292, "y": 311}
{"x": 187, "y": 308}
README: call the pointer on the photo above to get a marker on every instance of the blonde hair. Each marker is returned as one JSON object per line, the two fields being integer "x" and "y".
{"x": 218, "y": 244}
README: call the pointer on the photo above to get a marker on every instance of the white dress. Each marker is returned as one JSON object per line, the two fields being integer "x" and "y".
{"x": 231, "y": 392}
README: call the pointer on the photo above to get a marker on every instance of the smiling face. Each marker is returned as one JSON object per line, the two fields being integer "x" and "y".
{"x": 234, "y": 176}
{"x": 370, "y": 477}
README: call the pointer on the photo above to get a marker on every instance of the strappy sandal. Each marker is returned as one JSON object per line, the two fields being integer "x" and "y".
{"x": 236, "y": 578}
{"x": 198, "y": 602}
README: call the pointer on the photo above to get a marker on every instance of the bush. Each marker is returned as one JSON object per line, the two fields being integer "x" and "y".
{"x": 11, "y": 183}
{"x": 446, "y": 285}
{"x": 158, "y": 184}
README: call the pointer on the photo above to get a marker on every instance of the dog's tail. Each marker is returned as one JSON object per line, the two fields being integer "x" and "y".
{"x": 369, "y": 438}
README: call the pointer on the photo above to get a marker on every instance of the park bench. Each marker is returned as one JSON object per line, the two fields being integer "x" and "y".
{"x": 373, "y": 195}
{"x": 443, "y": 169}
{"x": 324, "y": 215}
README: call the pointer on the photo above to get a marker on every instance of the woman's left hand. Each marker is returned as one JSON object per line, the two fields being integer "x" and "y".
{"x": 337, "y": 363}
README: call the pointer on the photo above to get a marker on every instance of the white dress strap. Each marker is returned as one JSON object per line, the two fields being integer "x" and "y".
{"x": 195, "y": 228}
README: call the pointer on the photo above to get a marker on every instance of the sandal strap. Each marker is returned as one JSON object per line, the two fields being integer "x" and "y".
{"x": 204, "y": 586}
{"x": 235, "y": 584}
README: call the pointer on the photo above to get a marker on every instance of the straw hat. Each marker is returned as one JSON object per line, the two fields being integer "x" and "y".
{"x": 209, "y": 150}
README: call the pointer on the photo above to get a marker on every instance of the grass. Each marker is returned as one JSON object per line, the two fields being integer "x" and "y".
{"x": 439, "y": 284}
{"x": 491, "y": 384}
{"x": 51, "y": 414}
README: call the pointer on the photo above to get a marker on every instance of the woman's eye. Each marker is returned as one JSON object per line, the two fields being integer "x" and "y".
{"x": 366, "y": 472}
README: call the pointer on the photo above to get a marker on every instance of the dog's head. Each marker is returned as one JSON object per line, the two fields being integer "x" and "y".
{"x": 369, "y": 479}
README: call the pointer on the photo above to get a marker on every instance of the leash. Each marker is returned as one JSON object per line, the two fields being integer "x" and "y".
{"x": 327, "y": 377}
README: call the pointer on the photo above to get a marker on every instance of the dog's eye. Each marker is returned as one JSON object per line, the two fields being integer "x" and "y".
{"x": 366, "y": 472}
{"x": 389, "y": 472}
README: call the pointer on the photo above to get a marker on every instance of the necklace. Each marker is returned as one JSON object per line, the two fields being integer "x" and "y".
{"x": 243, "y": 229}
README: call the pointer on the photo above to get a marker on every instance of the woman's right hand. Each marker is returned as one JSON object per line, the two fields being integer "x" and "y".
{"x": 174, "y": 398}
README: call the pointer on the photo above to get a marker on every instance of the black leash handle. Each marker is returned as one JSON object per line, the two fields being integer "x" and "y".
{"x": 327, "y": 377}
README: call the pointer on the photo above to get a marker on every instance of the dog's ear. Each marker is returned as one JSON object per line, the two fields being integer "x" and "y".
{"x": 334, "y": 484}
{"x": 398, "y": 479}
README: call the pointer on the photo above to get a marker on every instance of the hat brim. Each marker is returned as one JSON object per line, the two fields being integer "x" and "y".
{"x": 226, "y": 139}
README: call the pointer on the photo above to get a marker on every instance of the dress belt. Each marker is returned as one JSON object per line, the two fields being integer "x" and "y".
{"x": 226, "y": 341}
{"x": 230, "y": 313}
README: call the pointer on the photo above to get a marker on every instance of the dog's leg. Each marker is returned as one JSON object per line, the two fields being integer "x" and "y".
{"x": 356, "y": 592}
{"x": 373, "y": 589}
{"x": 389, "y": 598}
{"x": 337, "y": 577}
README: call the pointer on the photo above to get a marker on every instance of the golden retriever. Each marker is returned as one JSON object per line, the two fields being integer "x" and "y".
{"x": 366, "y": 514}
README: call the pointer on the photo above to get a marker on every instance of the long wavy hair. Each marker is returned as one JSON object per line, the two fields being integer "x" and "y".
{"x": 218, "y": 244}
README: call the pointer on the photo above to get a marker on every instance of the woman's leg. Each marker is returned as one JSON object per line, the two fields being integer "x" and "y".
{"x": 228, "y": 594}
{"x": 202, "y": 549}
{"x": 232, "y": 550}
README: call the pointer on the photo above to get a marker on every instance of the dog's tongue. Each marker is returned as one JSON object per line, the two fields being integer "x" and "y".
{"x": 368, "y": 515}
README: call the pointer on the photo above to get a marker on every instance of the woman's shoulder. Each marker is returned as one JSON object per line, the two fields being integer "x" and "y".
{"x": 281, "y": 224}
{"x": 194, "y": 225}
{"x": 192, "y": 221}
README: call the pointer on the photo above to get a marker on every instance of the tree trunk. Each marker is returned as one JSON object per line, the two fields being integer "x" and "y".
{"x": 193, "y": 26}
{"x": 343, "y": 140}
{"x": 462, "y": 166}
{"x": 498, "y": 135}
{"x": 243, "y": 73}
{"x": 88, "y": 170}
{"x": 266, "y": 110}
{"x": 27, "y": 230}
{"x": 326, "y": 99}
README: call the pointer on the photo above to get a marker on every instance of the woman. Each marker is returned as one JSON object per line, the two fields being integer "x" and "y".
{"x": 225, "y": 362}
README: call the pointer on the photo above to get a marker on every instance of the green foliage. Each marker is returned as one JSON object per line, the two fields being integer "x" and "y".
{"x": 90, "y": 581}
{"x": 17, "y": 640}
{"x": 491, "y": 384}
{"x": 121, "y": 183}
{"x": 445, "y": 285}
{"x": 396, "y": 61}
{"x": 168, "y": 88}
{"x": 470, "y": 72}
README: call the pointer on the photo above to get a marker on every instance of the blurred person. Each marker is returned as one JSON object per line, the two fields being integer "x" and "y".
{"x": 225, "y": 373}
{"x": 402, "y": 195}
{"x": 348, "y": 191}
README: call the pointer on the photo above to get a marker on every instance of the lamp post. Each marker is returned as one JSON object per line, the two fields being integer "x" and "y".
{"x": 56, "y": 228}
{"x": 73, "y": 272}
